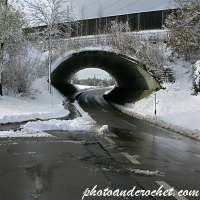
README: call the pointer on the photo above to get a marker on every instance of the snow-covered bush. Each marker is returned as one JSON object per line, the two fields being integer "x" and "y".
{"x": 148, "y": 50}
{"x": 118, "y": 35}
{"x": 151, "y": 53}
{"x": 11, "y": 33}
{"x": 184, "y": 26}
{"x": 21, "y": 69}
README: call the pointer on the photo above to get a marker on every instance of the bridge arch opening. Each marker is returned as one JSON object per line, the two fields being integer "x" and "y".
{"x": 132, "y": 82}
{"x": 93, "y": 77}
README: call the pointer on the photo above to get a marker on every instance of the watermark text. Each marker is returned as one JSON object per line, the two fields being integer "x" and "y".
{"x": 134, "y": 192}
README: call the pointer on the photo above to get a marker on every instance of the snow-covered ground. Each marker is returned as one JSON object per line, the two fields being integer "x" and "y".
{"x": 86, "y": 87}
{"x": 176, "y": 108}
{"x": 83, "y": 123}
{"x": 40, "y": 105}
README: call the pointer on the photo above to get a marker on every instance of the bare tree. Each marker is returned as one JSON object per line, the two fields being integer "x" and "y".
{"x": 100, "y": 15}
{"x": 82, "y": 12}
{"x": 82, "y": 17}
{"x": 100, "y": 12}
{"x": 53, "y": 23}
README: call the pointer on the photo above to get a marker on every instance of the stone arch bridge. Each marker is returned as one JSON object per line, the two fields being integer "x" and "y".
{"x": 132, "y": 82}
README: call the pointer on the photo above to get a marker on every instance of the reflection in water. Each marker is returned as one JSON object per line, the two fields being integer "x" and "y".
{"x": 37, "y": 187}
{"x": 41, "y": 179}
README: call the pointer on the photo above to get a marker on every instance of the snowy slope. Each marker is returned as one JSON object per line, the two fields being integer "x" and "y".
{"x": 37, "y": 105}
{"x": 176, "y": 108}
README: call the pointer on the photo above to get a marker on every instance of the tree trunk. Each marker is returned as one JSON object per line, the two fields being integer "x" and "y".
{"x": 1, "y": 68}
{"x": 1, "y": 91}
{"x": 49, "y": 59}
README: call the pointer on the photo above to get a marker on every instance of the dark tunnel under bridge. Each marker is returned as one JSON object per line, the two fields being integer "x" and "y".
{"x": 132, "y": 82}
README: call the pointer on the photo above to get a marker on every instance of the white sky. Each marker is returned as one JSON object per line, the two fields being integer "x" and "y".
{"x": 117, "y": 7}
{"x": 90, "y": 72}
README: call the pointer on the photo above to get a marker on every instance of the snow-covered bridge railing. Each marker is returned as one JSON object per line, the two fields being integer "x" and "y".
{"x": 106, "y": 39}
